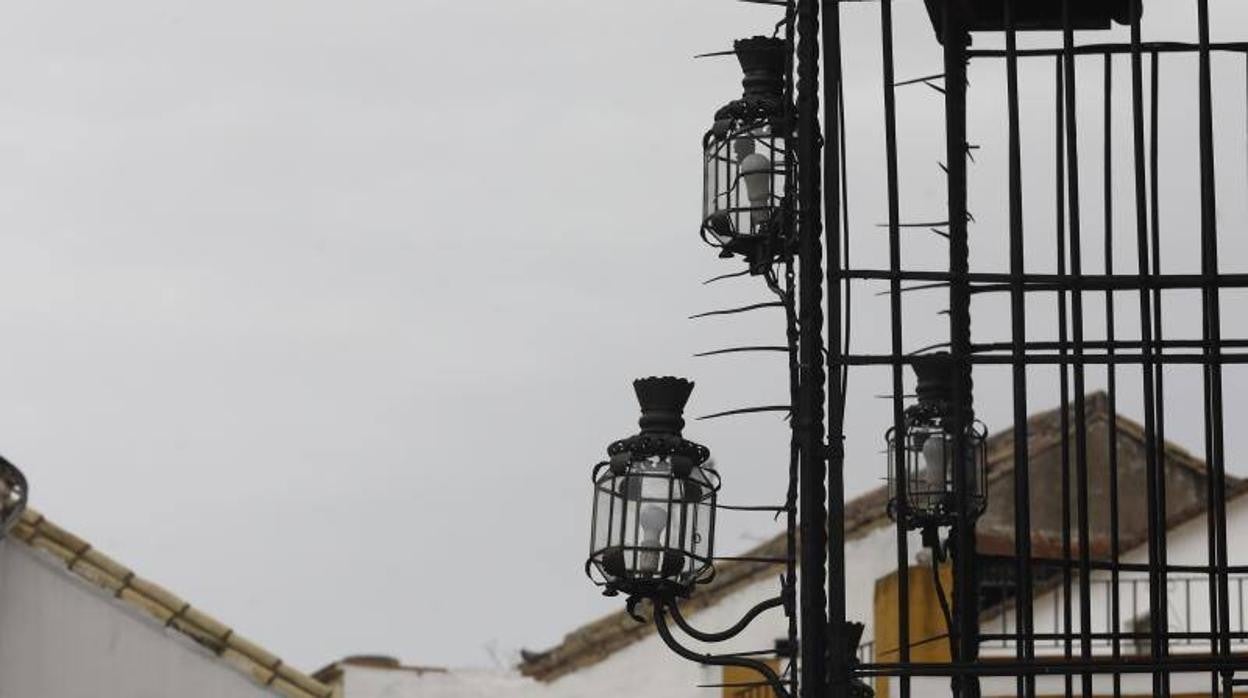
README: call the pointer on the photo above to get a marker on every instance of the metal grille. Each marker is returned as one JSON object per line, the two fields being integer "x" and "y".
{"x": 1083, "y": 274}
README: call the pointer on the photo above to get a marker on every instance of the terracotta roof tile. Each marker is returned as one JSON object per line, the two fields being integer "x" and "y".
{"x": 79, "y": 557}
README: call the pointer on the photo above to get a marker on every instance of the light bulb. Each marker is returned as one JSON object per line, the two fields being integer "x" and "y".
{"x": 934, "y": 456}
{"x": 653, "y": 520}
{"x": 755, "y": 170}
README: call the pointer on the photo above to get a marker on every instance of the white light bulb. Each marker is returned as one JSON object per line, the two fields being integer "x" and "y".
{"x": 755, "y": 169}
{"x": 934, "y": 455}
{"x": 653, "y": 520}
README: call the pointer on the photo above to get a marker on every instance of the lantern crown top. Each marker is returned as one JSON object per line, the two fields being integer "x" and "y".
{"x": 762, "y": 61}
{"x": 662, "y": 401}
{"x": 935, "y": 378}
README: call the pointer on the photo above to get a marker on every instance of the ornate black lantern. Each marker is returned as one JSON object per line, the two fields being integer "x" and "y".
{"x": 926, "y": 449}
{"x": 13, "y": 493}
{"x": 654, "y": 502}
{"x": 745, "y": 158}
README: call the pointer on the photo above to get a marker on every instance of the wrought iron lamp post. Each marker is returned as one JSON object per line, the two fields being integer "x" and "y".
{"x": 653, "y": 529}
{"x": 759, "y": 205}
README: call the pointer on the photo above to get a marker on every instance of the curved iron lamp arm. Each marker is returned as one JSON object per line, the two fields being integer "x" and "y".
{"x": 722, "y": 635}
{"x": 661, "y": 607}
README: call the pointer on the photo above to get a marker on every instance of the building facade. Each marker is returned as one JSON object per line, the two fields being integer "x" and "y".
{"x": 617, "y": 656}
{"x": 76, "y": 624}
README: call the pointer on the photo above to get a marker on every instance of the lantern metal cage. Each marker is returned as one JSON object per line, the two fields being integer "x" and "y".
{"x": 653, "y": 522}
{"x": 927, "y": 451}
{"x": 746, "y": 159}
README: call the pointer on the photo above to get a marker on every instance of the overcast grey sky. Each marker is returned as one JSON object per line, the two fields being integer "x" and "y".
{"x": 318, "y": 313}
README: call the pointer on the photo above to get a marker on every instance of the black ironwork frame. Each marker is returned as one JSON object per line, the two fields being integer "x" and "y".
{"x": 1074, "y": 355}
{"x": 810, "y": 274}
{"x": 792, "y": 267}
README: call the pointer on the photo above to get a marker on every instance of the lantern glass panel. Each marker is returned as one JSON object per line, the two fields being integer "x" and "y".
{"x": 745, "y": 166}
{"x": 926, "y": 453}
{"x": 652, "y": 528}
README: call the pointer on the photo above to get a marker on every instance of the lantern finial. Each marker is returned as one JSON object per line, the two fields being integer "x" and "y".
{"x": 935, "y": 378}
{"x": 762, "y": 61}
{"x": 662, "y": 402}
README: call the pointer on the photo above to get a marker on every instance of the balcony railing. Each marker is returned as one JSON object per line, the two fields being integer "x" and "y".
{"x": 1187, "y": 629}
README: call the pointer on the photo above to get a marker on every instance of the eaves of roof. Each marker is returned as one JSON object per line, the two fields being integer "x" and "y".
{"x": 92, "y": 566}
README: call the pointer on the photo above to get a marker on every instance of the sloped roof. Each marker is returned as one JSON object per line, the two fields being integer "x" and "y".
{"x": 260, "y": 665}
{"x": 595, "y": 641}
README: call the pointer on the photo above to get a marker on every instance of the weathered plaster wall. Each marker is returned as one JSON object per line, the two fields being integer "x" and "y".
{"x": 61, "y": 637}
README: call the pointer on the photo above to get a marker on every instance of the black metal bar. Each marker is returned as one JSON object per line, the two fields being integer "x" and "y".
{"x": 1063, "y": 389}
{"x": 728, "y": 633}
{"x": 734, "y": 311}
{"x": 738, "y": 350}
{"x": 965, "y": 591}
{"x": 1159, "y": 507}
{"x": 747, "y": 410}
{"x": 1212, "y": 332}
{"x": 1182, "y": 663}
{"x": 1075, "y": 226}
{"x": 789, "y": 581}
{"x": 838, "y": 649}
{"x": 1111, "y": 346}
{"x": 1114, "y": 619}
{"x": 1155, "y": 530}
{"x": 1057, "y": 282}
{"x": 1100, "y": 49}
{"x": 895, "y": 334}
{"x": 1058, "y": 359}
{"x": 1189, "y": 636}
{"x": 1106, "y": 565}
{"x": 808, "y": 420}
{"x": 661, "y": 608}
{"x": 1025, "y": 644}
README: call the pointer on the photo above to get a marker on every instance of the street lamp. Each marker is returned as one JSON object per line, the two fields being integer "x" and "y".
{"x": 653, "y": 528}
{"x": 745, "y": 158}
{"x": 924, "y": 454}
{"x": 13, "y": 493}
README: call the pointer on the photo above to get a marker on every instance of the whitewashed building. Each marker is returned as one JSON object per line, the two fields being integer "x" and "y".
{"x": 76, "y": 624}
{"x": 616, "y": 656}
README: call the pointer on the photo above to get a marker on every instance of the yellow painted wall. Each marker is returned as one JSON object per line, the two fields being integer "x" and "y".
{"x": 928, "y": 641}
{"x": 741, "y": 675}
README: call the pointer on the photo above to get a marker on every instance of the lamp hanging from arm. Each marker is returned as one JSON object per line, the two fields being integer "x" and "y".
{"x": 745, "y": 159}
{"x": 926, "y": 449}
{"x": 653, "y": 526}
{"x": 654, "y": 502}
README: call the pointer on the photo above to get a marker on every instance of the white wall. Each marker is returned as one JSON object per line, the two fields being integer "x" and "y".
{"x": 1188, "y": 597}
{"x": 374, "y": 682}
{"x": 649, "y": 668}
{"x": 63, "y": 638}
